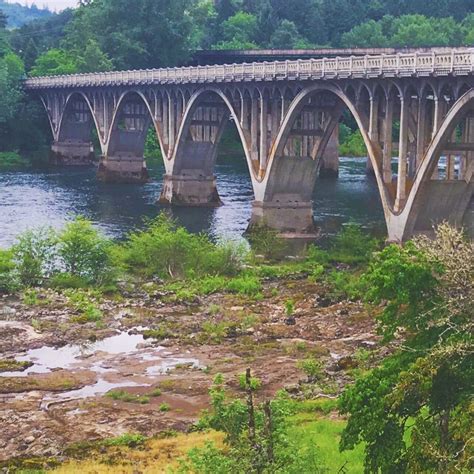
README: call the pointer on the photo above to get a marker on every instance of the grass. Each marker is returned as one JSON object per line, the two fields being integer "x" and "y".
{"x": 313, "y": 427}
{"x": 325, "y": 433}
{"x": 123, "y": 396}
{"x": 155, "y": 455}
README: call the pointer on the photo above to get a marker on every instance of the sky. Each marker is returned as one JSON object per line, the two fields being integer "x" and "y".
{"x": 55, "y": 5}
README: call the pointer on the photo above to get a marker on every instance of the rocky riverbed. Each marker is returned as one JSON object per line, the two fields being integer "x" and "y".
{"x": 147, "y": 365}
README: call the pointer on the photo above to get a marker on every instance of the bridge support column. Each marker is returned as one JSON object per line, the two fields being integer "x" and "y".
{"x": 72, "y": 153}
{"x": 190, "y": 189}
{"x": 291, "y": 219}
{"x": 122, "y": 169}
{"x": 330, "y": 160}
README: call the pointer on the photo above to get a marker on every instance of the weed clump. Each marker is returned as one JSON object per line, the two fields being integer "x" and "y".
{"x": 167, "y": 250}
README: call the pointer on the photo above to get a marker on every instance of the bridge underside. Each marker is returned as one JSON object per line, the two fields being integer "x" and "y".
{"x": 419, "y": 135}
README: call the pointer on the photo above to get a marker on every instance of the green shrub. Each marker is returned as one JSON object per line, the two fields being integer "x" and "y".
{"x": 85, "y": 253}
{"x": 248, "y": 285}
{"x": 84, "y": 302}
{"x": 353, "y": 246}
{"x": 64, "y": 281}
{"x": 257, "y": 436}
{"x": 266, "y": 242}
{"x": 312, "y": 368}
{"x": 8, "y": 280}
{"x": 10, "y": 160}
{"x": 128, "y": 440}
{"x": 167, "y": 250}
{"x": 345, "y": 284}
{"x": 35, "y": 256}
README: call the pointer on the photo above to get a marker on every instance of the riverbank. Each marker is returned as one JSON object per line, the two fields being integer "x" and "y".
{"x": 135, "y": 352}
{"x": 148, "y": 353}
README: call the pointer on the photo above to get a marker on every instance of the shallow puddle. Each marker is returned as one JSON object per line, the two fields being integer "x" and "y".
{"x": 116, "y": 360}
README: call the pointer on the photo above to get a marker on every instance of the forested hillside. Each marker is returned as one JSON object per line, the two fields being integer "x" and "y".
{"x": 119, "y": 34}
{"x": 19, "y": 15}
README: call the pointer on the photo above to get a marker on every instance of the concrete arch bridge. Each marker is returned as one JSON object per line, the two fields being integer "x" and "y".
{"x": 417, "y": 106}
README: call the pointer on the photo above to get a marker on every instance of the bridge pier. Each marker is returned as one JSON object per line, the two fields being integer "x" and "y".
{"x": 291, "y": 219}
{"x": 122, "y": 169}
{"x": 72, "y": 153}
{"x": 330, "y": 159}
{"x": 190, "y": 189}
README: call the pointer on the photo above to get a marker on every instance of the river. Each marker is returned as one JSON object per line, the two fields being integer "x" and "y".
{"x": 33, "y": 198}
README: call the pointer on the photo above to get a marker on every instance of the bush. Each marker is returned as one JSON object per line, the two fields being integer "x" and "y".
{"x": 170, "y": 251}
{"x": 256, "y": 436}
{"x": 312, "y": 368}
{"x": 346, "y": 285}
{"x": 8, "y": 281}
{"x": 35, "y": 256}
{"x": 352, "y": 246}
{"x": 10, "y": 160}
{"x": 64, "y": 281}
{"x": 248, "y": 285}
{"x": 266, "y": 242}
{"x": 85, "y": 253}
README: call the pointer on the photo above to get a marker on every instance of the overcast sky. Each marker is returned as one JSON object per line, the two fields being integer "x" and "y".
{"x": 52, "y": 4}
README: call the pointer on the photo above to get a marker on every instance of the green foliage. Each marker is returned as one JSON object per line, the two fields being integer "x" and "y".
{"x": 252, "y": 383}
{"x": 11, "y": 72}
{"x": 10, "y": 160}
{"x": 409, "y": 31}
{"x": 55, "y": 62}
{"x": 247, "y": 285}
{"x": 266, "y": 242}
{"x": 256, "y": 436}
{"x": 8, "y": 281}
{"x": 86, "y": 305}
{"x": 353, "y": 246}
{"x": 312, "y": 368}
{"x": 414, "y": 412}
{"x": 85, "y": 253}
{"x": 129, "y": 440}
{"x": 352, "y": 143}
{"x": 164, "y": 407}
{"x": 152, "y": 147}
{"x": 289, "y": 307}
{"x": 121, "y": 395}
{"x": 238, "y": 31}
{"x": 34, "y": 256}
{"x": 169, "y": 251}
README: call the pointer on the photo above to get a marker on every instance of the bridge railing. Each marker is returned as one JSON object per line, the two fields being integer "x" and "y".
{"x": 456, "y": 61}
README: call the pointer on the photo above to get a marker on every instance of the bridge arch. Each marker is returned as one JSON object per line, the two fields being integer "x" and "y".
{"x": 295, "y": 109}
{"x": 73, "y": 137}
{"x": 123, "y": 160}
{"x": 453, "y": 195}
{"x": 191, "y": 179}
{"x": 283, "y": 197}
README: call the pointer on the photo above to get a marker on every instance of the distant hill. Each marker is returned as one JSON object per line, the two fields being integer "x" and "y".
{"x": 18, "y": 15}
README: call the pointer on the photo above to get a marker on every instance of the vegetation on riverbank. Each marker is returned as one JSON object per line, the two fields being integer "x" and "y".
{"x": 418, "y": 395}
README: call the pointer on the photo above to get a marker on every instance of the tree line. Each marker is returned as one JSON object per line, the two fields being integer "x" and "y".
{"x": 113, "y": 34}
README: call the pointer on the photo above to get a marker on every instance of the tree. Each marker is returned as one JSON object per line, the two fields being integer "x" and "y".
{"x": 366, "y": 35}
{"x": 414, "y": 412}
{"x": 238, "y": 31}
{"x": 11, "y": 72}
{"x": 54, "y": 62}
{"x": 93, "y": 59}
{"x": 148, "y": 34}
{"x": 286, "y": 36}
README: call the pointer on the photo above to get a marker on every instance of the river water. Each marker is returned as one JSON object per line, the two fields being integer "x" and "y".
{"x": 29, "y": 199}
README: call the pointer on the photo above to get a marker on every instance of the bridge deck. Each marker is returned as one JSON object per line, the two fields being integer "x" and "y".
{"x": 457, "y": 61}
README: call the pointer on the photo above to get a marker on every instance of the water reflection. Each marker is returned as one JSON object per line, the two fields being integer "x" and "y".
{"x": 34, "y": 198}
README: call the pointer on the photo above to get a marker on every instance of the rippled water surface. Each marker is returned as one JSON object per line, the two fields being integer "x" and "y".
{"x": 34, "y": 198}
